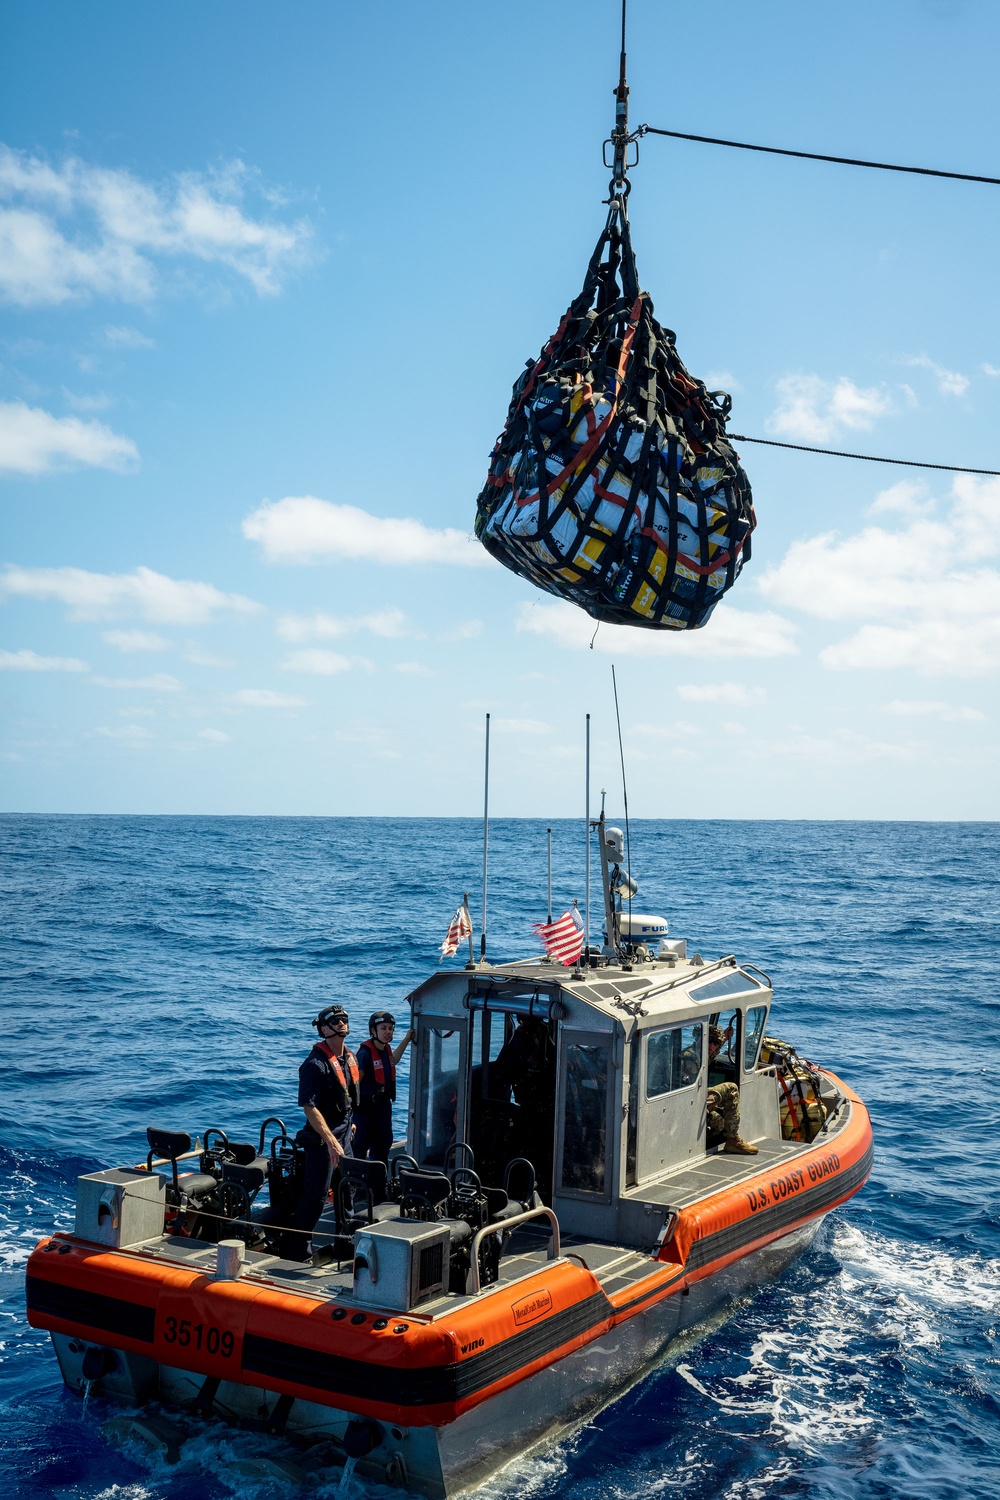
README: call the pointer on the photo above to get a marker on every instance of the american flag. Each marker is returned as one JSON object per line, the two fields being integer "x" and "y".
{"x": 563, "y": 938}
{"x": 461, "y": 927}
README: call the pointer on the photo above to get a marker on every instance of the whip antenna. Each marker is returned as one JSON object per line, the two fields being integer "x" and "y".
{"x": 486, "y": 838}
{"x": 586, "y": 907}
{"x": 628, "y": 840}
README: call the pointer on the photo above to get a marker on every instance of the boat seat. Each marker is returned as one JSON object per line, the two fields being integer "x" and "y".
{"x": 519, "y": 1182}
{"x": 242, "y": 1153}
{"x": 167, "y": 1144}
{"x": 430, "y": 1189}
{"x": 369, "y": 1175}
{"x": 250, "y": 1178}
{"x": 500, "y": 1206}
{"x": 196, "y": 1184}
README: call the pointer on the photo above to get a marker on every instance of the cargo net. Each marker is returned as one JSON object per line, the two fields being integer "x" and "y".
{"x": 612, "y": 483}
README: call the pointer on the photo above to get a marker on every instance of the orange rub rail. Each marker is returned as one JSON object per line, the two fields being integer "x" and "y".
{"x": 413, "y": 1371}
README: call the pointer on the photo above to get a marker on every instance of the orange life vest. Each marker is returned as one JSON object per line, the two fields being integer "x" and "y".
{"x": 345, "y": 1076}
{"x": 383, "y": 1069}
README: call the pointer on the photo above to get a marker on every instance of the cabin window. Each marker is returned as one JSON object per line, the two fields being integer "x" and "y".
{"x": 673, "y": 1059}
{"x": 440, "y": 1056}
{"x": 733, "y": 983}
{"x": 724, "y": 1064}
{"x": 754, "y": 1025}
{"x": 585, "y": 1127}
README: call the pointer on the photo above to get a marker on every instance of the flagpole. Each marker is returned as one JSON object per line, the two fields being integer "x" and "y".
{"x": 586, "y": 919}
{"x": 486, "y": 838}
{"x": 550, "y": 873}
{"x": 472, "y": 956}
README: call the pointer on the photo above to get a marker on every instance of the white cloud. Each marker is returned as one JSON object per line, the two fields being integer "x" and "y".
{"x": 932, "y": 648}
{"x": 465, "y": 630}
{"x": 929, "y": 580}
{"x": 814, "y": 410}
{"x": 30, "y": 661}
{"x": 200, "y": 658}
{"x": 904, "y": 498}
{"x": 129, "y": 734}
{"x": 720, "y": 692}
{"x": 320, "y": 663}
{"x": 414, "y": 669}
{"x": 77, "y": 230}
{"x": 33, "y": 441}
{"x": 136, "y": 640}
{"x": 723, "y": 380}
{"x": 127, "y": 338}
{"x": 303, "y": 529}
{"x": 390, "y": 623}
{"x": 265, "y": 698}
{"x": 923, "y": 708}
{"x": 678, "y": 729}
{"x": 143, "y": 592}
{"x": 521, "y": 726}
{"x": 95, "y": 402}
{"x": 730, "y": 632}
{"x": 950, "y": 382}
{"x": 845, "y": 747}
{"x": 156, "y": 682}
{"x": 214, "y": 736}
{"x": 990, "y": 370}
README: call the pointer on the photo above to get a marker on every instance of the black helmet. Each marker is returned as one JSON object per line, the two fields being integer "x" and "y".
{"x": 329, "y": 1015}
{"x": 377, "y": 1018}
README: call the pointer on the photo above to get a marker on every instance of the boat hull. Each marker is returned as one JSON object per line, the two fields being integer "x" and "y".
{"x": 441, "y": 1461}
{"x": 444, "y": 1398}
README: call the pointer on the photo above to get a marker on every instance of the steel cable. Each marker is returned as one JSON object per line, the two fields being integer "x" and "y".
{"x": 870, "y": 458}
{"x": 843, "y": 161}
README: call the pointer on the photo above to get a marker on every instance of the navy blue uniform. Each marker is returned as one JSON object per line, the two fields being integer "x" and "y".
{"x": 330, "y": 1084}
{"x": 373, "y": 1120}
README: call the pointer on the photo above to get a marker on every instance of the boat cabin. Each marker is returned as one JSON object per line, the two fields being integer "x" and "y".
{"x": 598, "y": 1077}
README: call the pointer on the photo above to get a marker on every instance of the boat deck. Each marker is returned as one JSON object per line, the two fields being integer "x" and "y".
{"x": 615, "y": 1266}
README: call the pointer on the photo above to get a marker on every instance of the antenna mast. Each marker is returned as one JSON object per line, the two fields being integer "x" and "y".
{"x": 486, "y": 838}
{"x": 586, "y": 916}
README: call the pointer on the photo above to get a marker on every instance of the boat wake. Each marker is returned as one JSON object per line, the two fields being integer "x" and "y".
{"x": 816, "y": 1387}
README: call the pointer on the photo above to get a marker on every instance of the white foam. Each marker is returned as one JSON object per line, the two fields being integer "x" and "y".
{"x": 925, "y": 1271}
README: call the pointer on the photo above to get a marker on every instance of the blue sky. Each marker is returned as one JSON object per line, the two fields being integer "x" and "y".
{"x": 267, "y": 276}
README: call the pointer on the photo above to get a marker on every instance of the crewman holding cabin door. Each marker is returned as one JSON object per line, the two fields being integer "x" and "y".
{"x": 377, "y": 1060}
{"x": 329, "y": 1095}
{"x": 723, "y": 1104}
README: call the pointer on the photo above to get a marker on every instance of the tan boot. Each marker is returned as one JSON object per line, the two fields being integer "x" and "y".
{"x": 737, "y": 1146}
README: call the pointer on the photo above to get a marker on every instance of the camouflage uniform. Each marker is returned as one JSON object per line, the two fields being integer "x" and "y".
{"x": 724, "y": 1115}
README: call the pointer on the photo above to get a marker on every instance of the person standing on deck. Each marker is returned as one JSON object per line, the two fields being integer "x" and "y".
{"x": 329, "y": 1095}
{"x": 377, "y": 1060}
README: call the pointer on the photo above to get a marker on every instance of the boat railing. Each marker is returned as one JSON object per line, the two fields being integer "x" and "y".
{"x": 474, "y": 1286}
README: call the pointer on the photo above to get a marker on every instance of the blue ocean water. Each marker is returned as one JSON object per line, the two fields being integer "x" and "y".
{"x": 164, "y": 970}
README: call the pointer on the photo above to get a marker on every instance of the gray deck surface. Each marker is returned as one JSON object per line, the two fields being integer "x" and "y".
{"x": 615, "y": 1266}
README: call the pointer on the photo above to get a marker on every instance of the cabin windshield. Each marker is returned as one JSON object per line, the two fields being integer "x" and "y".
{"x": 440, "y": 1057}
{"x": 512, "y": 1086}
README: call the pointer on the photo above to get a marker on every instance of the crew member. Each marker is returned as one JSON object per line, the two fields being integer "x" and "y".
{"x": 723, "y": 1104}
{"x": 377, "y": 1060}
{"x": 328, "y": 1093}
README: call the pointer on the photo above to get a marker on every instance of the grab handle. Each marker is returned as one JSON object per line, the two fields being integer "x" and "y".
{"x": 554, "y": 1250}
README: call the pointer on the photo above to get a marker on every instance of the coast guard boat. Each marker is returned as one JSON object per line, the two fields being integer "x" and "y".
{"x": 558, "y": 1216}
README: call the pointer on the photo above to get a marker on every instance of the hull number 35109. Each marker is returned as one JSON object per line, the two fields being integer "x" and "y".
{"x": 198, "y": 1336}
